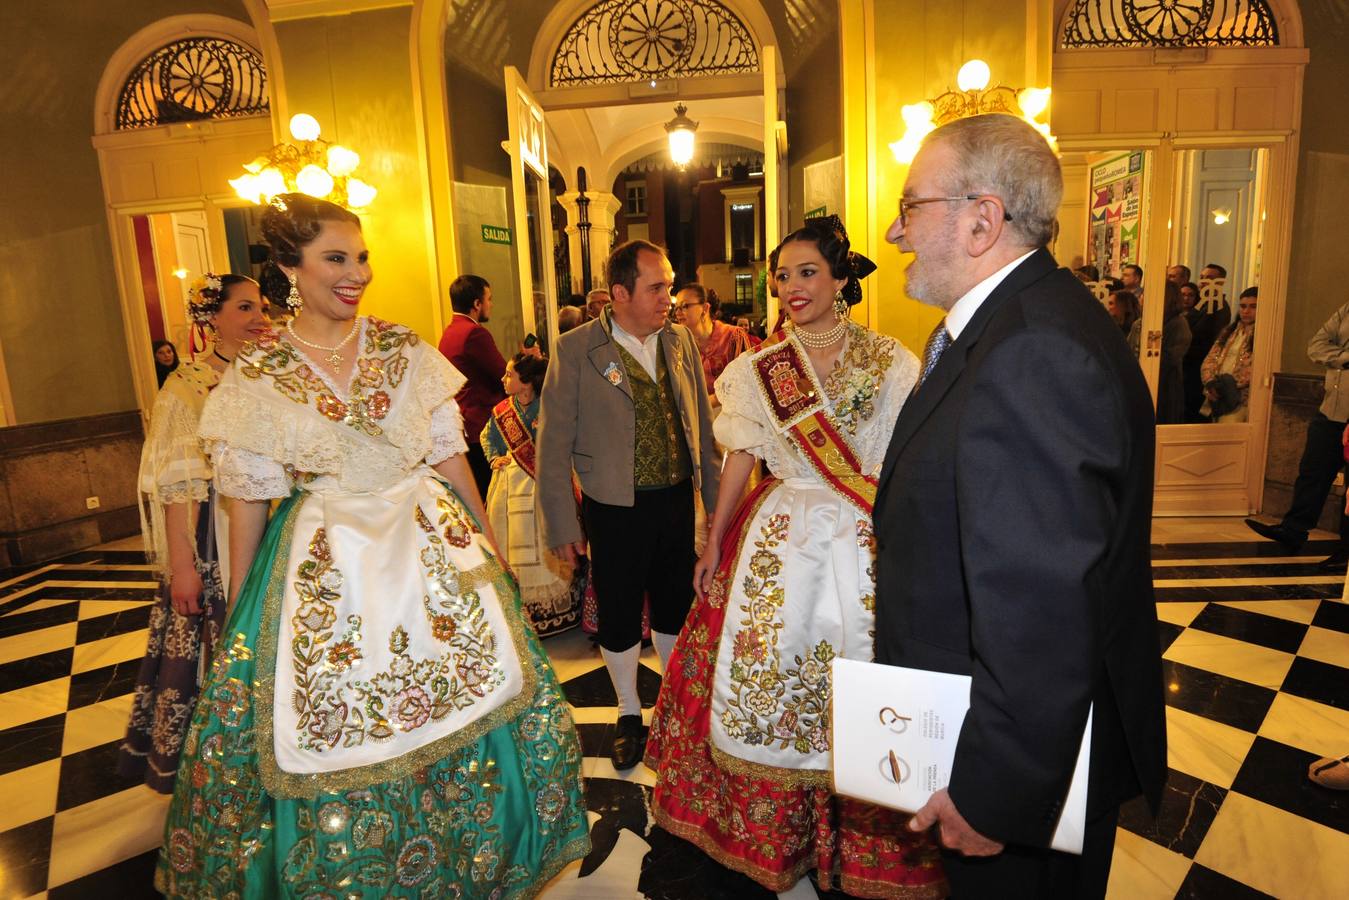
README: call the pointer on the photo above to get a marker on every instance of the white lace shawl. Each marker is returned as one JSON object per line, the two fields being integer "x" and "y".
{"x": 262, "y": 439}
{"x": 173, "y": 467}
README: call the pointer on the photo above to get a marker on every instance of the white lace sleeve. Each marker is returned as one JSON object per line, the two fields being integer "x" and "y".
{"x": 174, "y": 468}
{"x": 431, "y": 425}
{"x": 447, "y": 433}
{"x": 740, "y": 425}
{"x": 244, "y": 475}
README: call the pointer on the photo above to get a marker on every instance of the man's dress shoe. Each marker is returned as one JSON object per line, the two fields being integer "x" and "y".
{"x": 1291, "y": 540}
{"x": 629, "y": 742}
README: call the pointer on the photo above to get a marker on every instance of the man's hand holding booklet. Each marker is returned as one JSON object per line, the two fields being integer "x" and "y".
{"x": 895, "y": 735}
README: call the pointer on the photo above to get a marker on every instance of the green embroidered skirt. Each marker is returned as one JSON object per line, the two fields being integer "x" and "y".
{"x": 496, "y": 817}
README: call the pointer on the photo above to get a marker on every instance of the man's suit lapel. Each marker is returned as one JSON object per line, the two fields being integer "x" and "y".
{"x": 924, "y": 400}
{"x": 603, "y": 353}
{"x": 677, "y": 367}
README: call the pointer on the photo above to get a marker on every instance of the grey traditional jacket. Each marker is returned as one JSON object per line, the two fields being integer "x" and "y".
{"x": 1329, "y": 347}
{"x": 587, "y": 425}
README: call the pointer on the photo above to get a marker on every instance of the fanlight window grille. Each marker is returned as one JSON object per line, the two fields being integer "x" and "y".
{"x": 1171, "y": 23}
{"x": 620, "y": 41}
{"x": 194, "y": 79}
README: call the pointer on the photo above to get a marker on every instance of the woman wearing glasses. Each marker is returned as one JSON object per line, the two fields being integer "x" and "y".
{"x": 740, "y": 738}
{"x": 718, "y": 343}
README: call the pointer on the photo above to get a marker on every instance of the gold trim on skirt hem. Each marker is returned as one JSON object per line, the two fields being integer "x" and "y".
{"x": 788, "y": 778}
{"x": 768, "y": 878}
{"x": 308, "y": 786}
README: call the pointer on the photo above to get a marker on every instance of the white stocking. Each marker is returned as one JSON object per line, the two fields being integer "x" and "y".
{"x": 664, "y": 647}
{"x": 622, "y": 666}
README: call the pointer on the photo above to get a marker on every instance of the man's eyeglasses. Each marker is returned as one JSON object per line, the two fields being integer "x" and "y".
{"x": 906, "y": 206}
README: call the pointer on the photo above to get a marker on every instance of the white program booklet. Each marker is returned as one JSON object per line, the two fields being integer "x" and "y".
{"x": 895, "y": 732}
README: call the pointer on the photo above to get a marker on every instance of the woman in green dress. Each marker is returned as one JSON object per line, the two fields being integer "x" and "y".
{"x": 378, "y": 721}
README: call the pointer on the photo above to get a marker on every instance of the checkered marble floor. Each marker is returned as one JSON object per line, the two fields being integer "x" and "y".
{"x": 1256, "y": 652}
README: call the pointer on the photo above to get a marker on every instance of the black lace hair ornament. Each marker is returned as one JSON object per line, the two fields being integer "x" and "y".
{"x": 828, "y": 234}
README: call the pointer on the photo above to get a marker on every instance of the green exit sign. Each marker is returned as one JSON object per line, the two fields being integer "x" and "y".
{"x": 496, "y": 234}
{"x": 817, "y": 212}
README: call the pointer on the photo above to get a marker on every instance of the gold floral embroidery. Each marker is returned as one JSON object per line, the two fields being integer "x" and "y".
{"x": 856, "y": 377}
{"x": 768, "y": 705}
{"x": 380, "y": 369}
{"x": 330, "y": 406}
{"x": 866, "y": 539}
{"x": 396, "y": 699}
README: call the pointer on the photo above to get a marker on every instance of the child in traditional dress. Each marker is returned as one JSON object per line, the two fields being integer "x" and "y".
{"x": 508, "y": 442}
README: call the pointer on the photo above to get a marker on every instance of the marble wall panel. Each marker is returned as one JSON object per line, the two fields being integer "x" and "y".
{"x": 112, "y": 471}
{"x": 47, "y": 487}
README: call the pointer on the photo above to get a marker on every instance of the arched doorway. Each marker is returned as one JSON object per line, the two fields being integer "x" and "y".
{"x": 180, "y": 106}
{"x": 600, "y": 88}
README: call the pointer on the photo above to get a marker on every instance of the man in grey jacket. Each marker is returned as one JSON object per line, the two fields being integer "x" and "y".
{"x": 625, "y": 407}
{"x": 1323, "y": 454}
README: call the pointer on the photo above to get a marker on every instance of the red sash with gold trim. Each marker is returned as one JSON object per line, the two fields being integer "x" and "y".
{"x": 517, "y": 437}
{"x": 796, "y": 401}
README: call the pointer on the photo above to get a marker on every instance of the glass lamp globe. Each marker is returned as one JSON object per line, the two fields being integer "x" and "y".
{"x": 973, "y": 76}
{"x": 304, "y": 127}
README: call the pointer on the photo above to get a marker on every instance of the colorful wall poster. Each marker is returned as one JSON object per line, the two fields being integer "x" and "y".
{"x": 1116, "y": 213}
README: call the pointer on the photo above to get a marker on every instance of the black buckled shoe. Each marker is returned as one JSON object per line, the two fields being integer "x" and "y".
{"x": 1291, "y": 540}
{"x": 629, "y": 742}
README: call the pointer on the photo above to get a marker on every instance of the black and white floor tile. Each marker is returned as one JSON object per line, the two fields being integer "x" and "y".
{"x": 1256, "y": 651}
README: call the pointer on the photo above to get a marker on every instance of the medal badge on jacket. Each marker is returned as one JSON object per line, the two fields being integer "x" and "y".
{"x": 614, "y": 373}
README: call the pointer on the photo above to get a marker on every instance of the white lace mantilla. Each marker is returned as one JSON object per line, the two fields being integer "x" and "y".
{"x": 276, "y": 416}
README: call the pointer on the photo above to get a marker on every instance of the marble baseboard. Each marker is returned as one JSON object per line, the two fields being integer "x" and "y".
{"x": 63, "y": 538}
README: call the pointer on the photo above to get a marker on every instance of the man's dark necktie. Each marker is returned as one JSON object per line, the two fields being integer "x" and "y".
{"x": 936, "y": 345}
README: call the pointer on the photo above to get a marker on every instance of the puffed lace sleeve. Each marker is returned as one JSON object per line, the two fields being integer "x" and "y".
{"x": 174, "y": 468}
{"x": 242, "y": 473}
{"x": 438, "y": 381}
{"x": 741, "y": 426}
{"x": 245, "y": 475}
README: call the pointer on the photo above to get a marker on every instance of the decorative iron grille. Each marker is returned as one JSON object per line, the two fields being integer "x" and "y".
{"x": 193, "y": 79}
{"x": 619, "y": 41}
{"x": 1171, "y": 23}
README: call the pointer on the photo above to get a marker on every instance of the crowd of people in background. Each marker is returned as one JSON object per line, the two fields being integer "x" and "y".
{"x": 1204, "y": 351}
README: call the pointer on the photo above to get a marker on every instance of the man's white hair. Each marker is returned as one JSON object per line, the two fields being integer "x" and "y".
{"x": 1004, "y": 156}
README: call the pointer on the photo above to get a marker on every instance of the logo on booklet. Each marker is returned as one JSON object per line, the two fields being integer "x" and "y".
{"x": 894, "y": 769}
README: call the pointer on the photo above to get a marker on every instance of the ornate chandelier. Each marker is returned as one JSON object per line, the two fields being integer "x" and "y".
{"x": 310, "y": 166}
{"x": 973, "y": 97}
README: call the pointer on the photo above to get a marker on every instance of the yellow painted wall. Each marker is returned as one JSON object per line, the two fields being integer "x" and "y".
{"x": 354, "y": 74}
{"x": 919, "y": 47}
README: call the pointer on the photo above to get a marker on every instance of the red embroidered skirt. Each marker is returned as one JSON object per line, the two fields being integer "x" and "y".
{"x": 771, "y": 831}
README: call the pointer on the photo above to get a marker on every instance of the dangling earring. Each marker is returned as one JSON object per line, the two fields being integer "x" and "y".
{"x": 293, "y": 299}
{"x": 840, "y": 305}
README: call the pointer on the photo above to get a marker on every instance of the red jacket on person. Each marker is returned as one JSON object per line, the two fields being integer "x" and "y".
{"x": 470, "y": 347}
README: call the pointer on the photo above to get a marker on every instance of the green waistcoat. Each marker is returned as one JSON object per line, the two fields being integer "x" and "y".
{"x": 660, "y": 451}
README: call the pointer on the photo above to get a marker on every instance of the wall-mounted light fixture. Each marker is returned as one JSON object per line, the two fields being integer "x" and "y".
{"x": 973, "y": 98}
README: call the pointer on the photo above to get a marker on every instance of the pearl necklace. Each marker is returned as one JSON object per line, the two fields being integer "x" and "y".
{"x": 818, "y": 340}
{"x": 333, "y": 356}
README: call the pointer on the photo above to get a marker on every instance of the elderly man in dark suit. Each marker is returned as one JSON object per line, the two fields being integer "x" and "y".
{"x": 1012, "y": 521}
{"x": 625, "y": 406}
